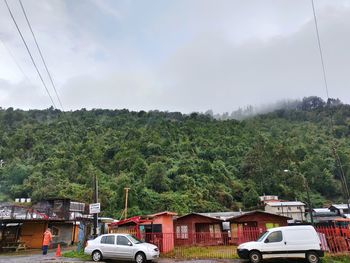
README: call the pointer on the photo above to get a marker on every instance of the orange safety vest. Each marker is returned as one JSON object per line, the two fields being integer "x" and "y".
{"x": 47, "y": 238}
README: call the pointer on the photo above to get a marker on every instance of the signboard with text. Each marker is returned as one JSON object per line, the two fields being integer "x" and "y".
{"x": 95, "y": 208}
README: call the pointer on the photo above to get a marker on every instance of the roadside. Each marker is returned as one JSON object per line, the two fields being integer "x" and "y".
{"x": 33, "y": 256}
{"x": 51, "y": 258}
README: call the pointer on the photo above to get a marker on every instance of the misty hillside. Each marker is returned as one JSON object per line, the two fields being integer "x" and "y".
{"x": 173, "y": 161}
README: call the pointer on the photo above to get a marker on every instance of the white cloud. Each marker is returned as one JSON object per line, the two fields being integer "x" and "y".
{"x": 181, "y": 55}
{"x": 107, "y": 8}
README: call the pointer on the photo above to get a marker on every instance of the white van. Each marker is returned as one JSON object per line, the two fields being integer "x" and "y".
{"x": 284, "y": 242}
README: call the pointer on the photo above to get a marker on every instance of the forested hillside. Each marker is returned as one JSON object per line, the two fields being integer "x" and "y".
{"x": 173, "y": 161}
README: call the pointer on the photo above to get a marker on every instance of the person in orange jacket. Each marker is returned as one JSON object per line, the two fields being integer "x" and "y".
{"x": 47, "y": 240}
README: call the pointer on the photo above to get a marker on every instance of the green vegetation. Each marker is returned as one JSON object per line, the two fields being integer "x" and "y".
{"x": 336, "y": 259}
{"x": 205, "y": 252}
{"x": 173, "y": 161}
{"x": 75, "y": 254}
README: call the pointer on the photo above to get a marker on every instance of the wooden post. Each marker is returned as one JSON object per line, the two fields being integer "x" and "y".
{"x": 126, "y": 201}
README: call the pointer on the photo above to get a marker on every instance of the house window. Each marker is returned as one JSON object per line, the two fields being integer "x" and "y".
{"x": 55, "y": 231}
{"x": 215, "y": 231}
{"x": 289, "y": 209}
{"x": 182, "y": 232}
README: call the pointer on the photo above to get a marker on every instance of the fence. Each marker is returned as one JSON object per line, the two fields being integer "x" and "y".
{"x": 334, "y": 239}
{"x": 223, "y": 245}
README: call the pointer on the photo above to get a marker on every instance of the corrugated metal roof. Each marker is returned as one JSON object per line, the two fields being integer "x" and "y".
{"x": 340, "y": 206}
{"x": 321, "y": 210}
{"x": 201, "y": 214}
{"x": 222, "y": 215}
{"x": 288, "y": 203}
{"x": 258, "y": 211}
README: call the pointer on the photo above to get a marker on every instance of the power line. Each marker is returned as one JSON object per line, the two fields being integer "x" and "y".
{"x": 30, "y": 54}
{"x": 41, "y": 55}
{"x": 15, "y": 61}
{"x": 335, "y": 153}
{"x": 320, "y": 49}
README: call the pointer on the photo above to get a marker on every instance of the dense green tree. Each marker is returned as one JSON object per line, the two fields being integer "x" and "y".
{"x": 173, "y": 161}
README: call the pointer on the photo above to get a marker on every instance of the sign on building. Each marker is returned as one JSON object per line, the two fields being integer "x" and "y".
{"x": 95, "y": 208}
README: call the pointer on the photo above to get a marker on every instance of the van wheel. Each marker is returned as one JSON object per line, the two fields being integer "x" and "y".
{"x": 255, "y": 257}
{"x": 312, "y": 257}
{"x": 96, "y": 256}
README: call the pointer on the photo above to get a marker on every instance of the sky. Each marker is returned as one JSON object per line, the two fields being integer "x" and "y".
{"x": 179, "y": 55}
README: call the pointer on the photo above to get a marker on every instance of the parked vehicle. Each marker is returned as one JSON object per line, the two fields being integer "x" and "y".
{"x": 121, "y": 247}
{"x": 284, "y": 242}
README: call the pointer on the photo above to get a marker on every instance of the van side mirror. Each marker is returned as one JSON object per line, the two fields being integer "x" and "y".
{"x": 267, "y": 240}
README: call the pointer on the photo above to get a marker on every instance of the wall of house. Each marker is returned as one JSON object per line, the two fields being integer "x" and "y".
{"x": 166, "y": 221}
{"x": 193, "y": 237}
{"x": 295, "y": 212}
{"x": 75, "y": 233}
{"x": 261, "y": 220}
{"x": 32, "y": 233}
{"x": 62, "y": 233}
{"x": 167, "y": 231}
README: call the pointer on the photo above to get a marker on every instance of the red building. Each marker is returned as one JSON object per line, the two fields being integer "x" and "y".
{"x": 249, "y": 225}
{"x": 156, "y": 228}
{"x": 198, "y": 229}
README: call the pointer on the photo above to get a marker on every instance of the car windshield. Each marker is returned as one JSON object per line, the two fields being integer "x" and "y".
{"x": 134, "y": 239}
{"x": 262, "y": 236}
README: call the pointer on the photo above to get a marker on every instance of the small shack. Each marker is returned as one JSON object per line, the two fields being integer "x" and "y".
{"x": 23, "y": 226}
{"x": 156, "y": 228}
{"x": 199, "y": 229}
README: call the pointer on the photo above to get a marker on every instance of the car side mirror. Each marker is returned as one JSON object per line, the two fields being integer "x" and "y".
{"x": 130, "y": 244}
{"x": 267, "y": 240}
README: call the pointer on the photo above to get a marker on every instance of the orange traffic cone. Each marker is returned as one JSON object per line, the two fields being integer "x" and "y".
{"x": 58, "y": 251}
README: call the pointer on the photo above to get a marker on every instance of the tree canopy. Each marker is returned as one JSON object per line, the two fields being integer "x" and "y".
{"x": 172, "y": 161}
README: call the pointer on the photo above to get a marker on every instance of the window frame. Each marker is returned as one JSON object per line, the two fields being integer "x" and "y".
{"x": 182, "y": 232}
{"x": 55, "y": 231}
{"x": 267, "y": 238}
{"x": 121, "y": 236}
{"x": 215, "y": 230}
{"x": 105, "y": 238}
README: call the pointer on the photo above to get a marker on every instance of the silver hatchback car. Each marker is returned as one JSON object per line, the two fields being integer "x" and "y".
{"x": 121, "y": 247}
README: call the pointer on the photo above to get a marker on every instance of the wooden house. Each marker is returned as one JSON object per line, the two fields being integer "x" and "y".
{"x": 249, "y": 225}
{"x": 199, "y": 229}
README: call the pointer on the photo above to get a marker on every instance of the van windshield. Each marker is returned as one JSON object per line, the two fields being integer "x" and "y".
{"x": 262, "y": 236}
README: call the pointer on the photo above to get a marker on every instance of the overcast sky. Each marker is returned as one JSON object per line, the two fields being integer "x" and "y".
{"x": 179, "y": 55}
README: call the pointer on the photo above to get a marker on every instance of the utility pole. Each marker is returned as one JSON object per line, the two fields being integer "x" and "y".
{"x": 126, "y": 201}
{"x": 95, "y": 201}
{"x": 306, "y": 185}
{"x": 343, "y": 179}
{"x": 307, "y": 189}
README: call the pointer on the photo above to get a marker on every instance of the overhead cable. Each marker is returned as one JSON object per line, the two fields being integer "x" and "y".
{"x": 335, "y": 153}
{"x": 15, "y": 61}
{"x": 30, "y": 54}
{"x": 41, "y": 55}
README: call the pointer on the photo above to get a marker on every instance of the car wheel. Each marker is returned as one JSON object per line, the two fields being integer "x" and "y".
{"x": 312, "y": 257}
{"x": 96, "y": 256}
{"x": 255, "y": 257}
{"x": 140, "y": 257}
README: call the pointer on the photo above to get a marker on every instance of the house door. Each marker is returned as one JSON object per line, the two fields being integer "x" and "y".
{"x": 202, "y": 233}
